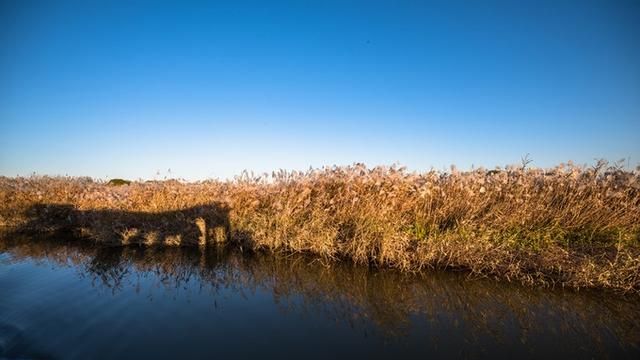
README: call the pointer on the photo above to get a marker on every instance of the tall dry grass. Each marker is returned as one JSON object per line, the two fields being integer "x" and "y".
{"x": 571, "y": 225}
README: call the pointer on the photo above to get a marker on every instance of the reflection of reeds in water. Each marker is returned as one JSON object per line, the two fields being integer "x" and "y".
{"x": 359, "y": 295}
{"x": 570, "y": 225}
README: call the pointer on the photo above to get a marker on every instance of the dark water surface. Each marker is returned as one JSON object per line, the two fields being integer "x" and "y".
{"x": 71, "y": 300}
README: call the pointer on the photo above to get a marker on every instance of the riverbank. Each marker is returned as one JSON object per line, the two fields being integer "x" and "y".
{"x": 568, "y": 226}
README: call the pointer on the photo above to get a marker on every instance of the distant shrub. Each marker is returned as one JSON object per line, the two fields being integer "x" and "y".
{"x": 118, "y": 182}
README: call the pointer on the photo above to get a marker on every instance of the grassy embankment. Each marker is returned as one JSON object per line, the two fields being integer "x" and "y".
{"x": 570, "y": 226}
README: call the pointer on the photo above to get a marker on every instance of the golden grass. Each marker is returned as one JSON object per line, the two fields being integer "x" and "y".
{"x": 570, "y": 225}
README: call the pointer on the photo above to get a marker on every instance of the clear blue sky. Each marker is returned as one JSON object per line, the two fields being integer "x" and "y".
{"x": 124, "y": 89}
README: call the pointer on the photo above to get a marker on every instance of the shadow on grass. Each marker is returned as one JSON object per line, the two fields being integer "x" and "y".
{"x": 196, "y": 225}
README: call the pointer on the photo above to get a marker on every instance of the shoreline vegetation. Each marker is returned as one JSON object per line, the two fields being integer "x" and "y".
{"x": 573, "y": 226}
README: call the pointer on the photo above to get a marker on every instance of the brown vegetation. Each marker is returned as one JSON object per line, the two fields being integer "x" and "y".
{"x": 571, "y": 225}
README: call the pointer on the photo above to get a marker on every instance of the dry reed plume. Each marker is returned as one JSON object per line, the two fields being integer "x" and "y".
{"x": 571, "y": 226}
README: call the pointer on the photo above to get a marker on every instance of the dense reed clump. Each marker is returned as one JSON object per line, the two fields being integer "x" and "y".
{"x": 571, "y": 225}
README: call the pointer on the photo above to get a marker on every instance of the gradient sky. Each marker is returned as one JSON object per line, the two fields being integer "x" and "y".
{"x": 127, "y": 89}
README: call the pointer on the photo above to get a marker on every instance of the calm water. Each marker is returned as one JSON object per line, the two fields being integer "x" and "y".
{"x": 69, "y": 300}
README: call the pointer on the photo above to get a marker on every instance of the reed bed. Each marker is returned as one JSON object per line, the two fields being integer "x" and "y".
{"x": 571, "y": 225}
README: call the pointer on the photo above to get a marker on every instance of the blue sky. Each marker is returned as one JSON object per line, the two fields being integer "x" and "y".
{"x": 207, "y": 89}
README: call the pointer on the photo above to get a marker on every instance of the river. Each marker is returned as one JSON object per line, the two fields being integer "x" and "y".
{"x": 66, "y": 299}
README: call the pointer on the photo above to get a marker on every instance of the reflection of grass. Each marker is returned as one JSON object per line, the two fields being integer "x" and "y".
{"x": 391, "y": 301}
{"x": 569, "y": 225}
